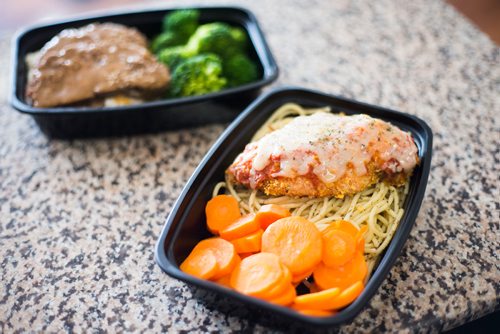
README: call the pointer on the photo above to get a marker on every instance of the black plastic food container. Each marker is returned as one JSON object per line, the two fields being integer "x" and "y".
{"x": 185, "y": 225}
{"x": 70, "y": 122}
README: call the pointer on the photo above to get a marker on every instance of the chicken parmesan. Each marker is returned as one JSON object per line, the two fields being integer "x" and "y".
{"x": 326, "y": 154}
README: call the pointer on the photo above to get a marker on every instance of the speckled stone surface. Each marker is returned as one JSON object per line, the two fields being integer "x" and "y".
{"x": 79, "y": 220}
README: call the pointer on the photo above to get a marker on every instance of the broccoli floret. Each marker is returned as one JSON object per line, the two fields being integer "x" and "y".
{"x": 240, "y": 37}
{"x": 239, "y": 69}
{"x": 173, "y": 56}
{"x": 182, "y": 22}
{"x": 166, "y": 40}
{"x": 197, "y": 75}
{"x": 214, "y": 38}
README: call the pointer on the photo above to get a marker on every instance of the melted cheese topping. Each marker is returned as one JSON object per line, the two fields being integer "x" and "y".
{"x": 327, "y": 144}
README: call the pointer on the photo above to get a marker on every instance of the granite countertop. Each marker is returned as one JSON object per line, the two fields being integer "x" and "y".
{"x": 79, "y": 219}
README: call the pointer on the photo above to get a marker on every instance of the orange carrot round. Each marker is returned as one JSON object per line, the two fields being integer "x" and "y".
{"x": 347, "y": 296}
{"x": 297, "y": 278}
{"x": 343, "y": 276}
{"x": 257, "y": 274}
{"x": 360, "y": 240}
{"x": 345, "y": 226}
{"x": 224, "y": 252}
{"x": 221, "y": 211}
{"x": 286, "y": 298}
{"x": 317, "y": 301}
{"x": 270, "y": 213}
{"x": 338, "y": 247}
{"x": 202, "y": 264}
{"x": 224, "y": 280}
{"x": 241, "y": 227}
{"x": 296, "y": 241}
{"x": 245, "y": 255}
{"x": 280, "y": 287}
{"x": 360, "y": 245}
{"x": 248, "y": 244}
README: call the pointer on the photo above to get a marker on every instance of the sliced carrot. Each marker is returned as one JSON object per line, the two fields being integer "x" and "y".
{"x": 243, "y": 226}
{"x": 338, "y": 247}
{"x": 345, "y": 226}
{"x": 270, "y": 213}
{"x": 296, "y": 241}
{"x": 362, "y": 231}
{"x": 286, "y": 298}
{"x": 317, "y": 301}
{"x": 281, "y": 286}
{"x": 347, "y": 296}
{"x": 317, "y": 313}
{"x": 224, "y": 252}
{"x": 248, "y": 244}
{"x": 244, "y": 255}
{"x": 297, "y": 278}
{"x": 201, "y": 263}
{"x": 360, "y": 245}
{"x": 257, "y": 274}
{"x": 343, "y": 276}
{"x": 221, "y": 211}
{"x": 360, "y": 240}
{"x": 224, "y": 280}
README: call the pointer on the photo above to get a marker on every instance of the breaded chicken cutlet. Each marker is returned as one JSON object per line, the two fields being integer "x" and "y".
{"x": 326, "y": 155}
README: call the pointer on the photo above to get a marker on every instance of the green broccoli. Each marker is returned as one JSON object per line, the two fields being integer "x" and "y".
{"x": 197, "y": 75}
{"x": 182, "y": 22}
{"x": 240, "y": 37}
{"x": 214, "y": 38}
{"x": 173, "y": 56}
{"x": 166, "y": 40}
{"x": 239, "y": 69}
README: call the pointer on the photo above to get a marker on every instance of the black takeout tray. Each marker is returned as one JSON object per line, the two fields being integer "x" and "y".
{"x": 70, "y": 122}
{"x": 185, "y": 224}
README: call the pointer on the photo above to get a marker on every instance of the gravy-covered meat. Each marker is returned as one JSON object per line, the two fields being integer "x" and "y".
{"x": 326, "y": 155}
{"x": 93, "y": 61}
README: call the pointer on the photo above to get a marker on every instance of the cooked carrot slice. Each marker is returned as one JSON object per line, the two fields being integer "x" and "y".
{"x": 317, "y": 313}
{"x": 296, "y": 241}
{"x": 360, "y": 240}
{"x": 297, "y": 278}
{"x": 224, "y": 280}
{"x": 257, "y": 274}
{"x": 360, "y": 245}
{"x": 338, "y": 247}
{"x": 240, "y": 228}
{"x": 221, "y": 211}
{"x": 244, "y": 255}
{"x": 317, "y": 301}
{"x": 270, "y": 213}
{"x": 201, "y": 263}
{"x": 283, "y": 284}
{"x": 347, "y": 296}
{"x": 248, "y": 244}
{"x": 287, "y": 275}
{"x": 224, "y": 252}
{"x": 343, "y": 276}
{"x": 345, "y": 226}
{"x": 362, "y": 231}
{"x": 286, "y": 298}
